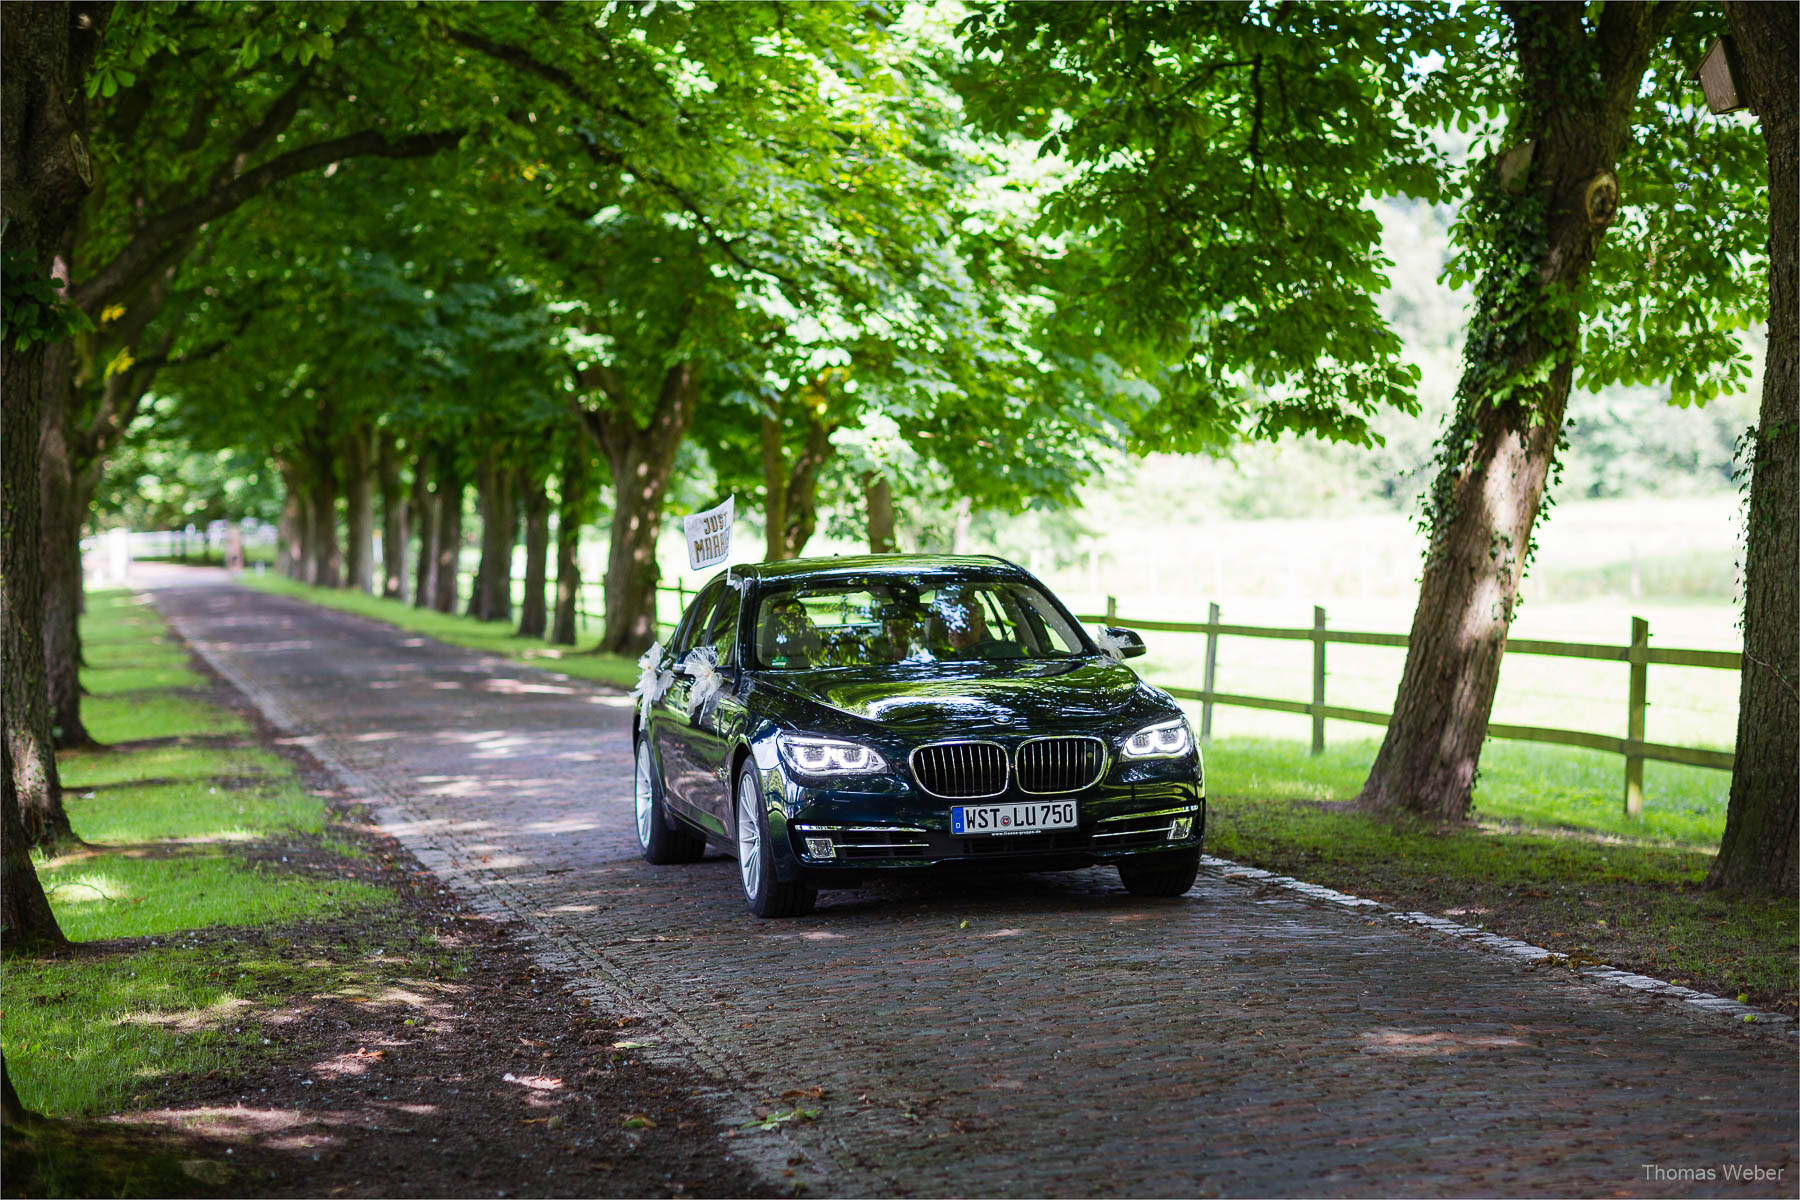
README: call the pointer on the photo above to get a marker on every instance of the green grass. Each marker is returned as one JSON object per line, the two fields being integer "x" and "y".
{"x": 1520, "y": 782}
{"x": 96, "y": 1034}
{"x": 155, "y": 713}
{"x": 493, "y": 637}
{"x": 220, "y": 893}
{"x": 117, "y": 894}
{"x": 1551, "y": 859}
{"x": 89, "y": 768}
{"x": 195, "y": 809}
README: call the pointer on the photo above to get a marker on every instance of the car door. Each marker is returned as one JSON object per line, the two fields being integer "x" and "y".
{"x": 715, "y": 726}
{"x": 670, "y": 725}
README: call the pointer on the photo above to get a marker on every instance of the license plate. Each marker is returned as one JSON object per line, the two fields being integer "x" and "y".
{"x": 966, "y": 819}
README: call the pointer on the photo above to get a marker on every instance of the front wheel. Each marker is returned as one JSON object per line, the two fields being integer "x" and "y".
{"x": 657, "y": 842}
{"x": 1162, "y": 875}
{"x": 766, "y": 896}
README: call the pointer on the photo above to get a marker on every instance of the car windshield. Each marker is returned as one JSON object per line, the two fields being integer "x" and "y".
{"x": 910, "y": 621}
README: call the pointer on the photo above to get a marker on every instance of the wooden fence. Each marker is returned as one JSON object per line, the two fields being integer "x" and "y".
{"x": 1638, "y": 654}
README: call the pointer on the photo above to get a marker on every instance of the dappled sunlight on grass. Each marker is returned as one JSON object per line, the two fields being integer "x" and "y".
{"x": 195, "y": 810}
{"x": 191, "y": 890}
{"x": 95, "y": 1033}
{"x": 137, "y": 716}
{"x": 75, "y": 890}
{"x": 1551, "y": 861}
{"x": 101, "y": 768}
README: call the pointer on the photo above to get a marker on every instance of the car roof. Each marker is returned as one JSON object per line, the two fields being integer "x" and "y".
{"x": 876, "y": 564}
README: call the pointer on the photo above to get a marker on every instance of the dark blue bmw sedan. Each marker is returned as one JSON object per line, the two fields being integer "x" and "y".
{"x": 825, "y": 719}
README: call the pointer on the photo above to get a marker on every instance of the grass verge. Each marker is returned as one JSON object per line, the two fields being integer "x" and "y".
{"x": 1536, "y": 865}
{"x": 213, "y": 902}
{"x": 492, "y": 637}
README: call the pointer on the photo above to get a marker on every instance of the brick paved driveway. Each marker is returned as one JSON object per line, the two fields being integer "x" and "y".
{"x": 1035, "y": 1035}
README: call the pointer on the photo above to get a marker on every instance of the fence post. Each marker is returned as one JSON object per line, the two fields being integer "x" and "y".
{"x": 1112, "y": 610}
{"x": 1212, "y": 672}
{"x": 1634, "y": 715}
{"x": 1318, "y": 700}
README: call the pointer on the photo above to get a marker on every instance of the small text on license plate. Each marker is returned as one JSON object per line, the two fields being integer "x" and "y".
{"x": 968, "y": 819}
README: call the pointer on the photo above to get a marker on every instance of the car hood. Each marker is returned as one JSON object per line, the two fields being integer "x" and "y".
{"x": 948, "y": 699}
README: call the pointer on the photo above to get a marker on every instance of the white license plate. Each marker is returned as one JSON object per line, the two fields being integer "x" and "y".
{"x": 1035, "y": 817}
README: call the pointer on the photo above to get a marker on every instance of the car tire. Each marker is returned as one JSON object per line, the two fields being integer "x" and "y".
{"x": 766, "y": 895}
{"x": 1162, "y": 875}
{"x": 659, "y": 843}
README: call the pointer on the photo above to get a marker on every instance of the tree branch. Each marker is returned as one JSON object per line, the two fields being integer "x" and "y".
{"x": 129, "y": 263}
{"x": 280, "y": 115}
{"x": 524, "y": 60}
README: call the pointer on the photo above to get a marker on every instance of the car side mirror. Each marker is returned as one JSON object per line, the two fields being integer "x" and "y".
{"x": 1131, "y": 644}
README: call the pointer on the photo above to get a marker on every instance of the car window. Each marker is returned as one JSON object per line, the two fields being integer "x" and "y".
{"x": 695, "y": 619}
{"x": 721, "y": 628}
{"x": 844, "y": 625}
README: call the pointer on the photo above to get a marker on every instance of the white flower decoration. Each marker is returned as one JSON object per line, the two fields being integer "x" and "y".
{"x": 702, "y": 664}
{"x": 651, "y": 683}
{"x": 1114, "y": 646}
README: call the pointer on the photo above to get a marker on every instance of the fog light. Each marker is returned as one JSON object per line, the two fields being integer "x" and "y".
{"x": 1180, "y": 828}
{"x": 820, "y": 848}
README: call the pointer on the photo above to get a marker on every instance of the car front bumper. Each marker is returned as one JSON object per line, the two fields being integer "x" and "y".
{"x": 831, "y": 836}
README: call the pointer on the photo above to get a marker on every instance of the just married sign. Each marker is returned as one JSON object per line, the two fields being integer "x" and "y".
{"x": 709, "y": 535}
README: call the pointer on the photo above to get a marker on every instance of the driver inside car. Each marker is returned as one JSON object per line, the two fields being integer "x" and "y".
{"x": 966, "y": 628}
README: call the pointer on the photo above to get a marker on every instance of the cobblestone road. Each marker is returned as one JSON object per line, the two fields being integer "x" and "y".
{"x": 1026, "y": 1036}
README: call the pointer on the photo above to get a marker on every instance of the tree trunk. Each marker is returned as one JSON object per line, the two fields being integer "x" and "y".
{"x": 26, "y": 920}
{"x": 393, "y": 520}
{"x": 641, "y": 459}
{"x": 535, "y": 500}
{"x": 60, "y": 524}
{"x": 359, "y": 506}
{"x": 449, "y": 535}
{"x": 33, "y": 787}
{"x": 791, "y": 493}
{"x": 878, "y": 496}
{"x": 325, "y": 560}
{"x": 1762, "y": 824}
{"x": 44, "y": 176}
{"x": 484, "y": 498}
{"x": 425, "y": 514}
{"x": 291, "y": 528}
{"x": 491, "y": 599}
{"x": 576, "y": 487}
{"x": 774, "y": 462}
{"x": 12, "y": 1111}
{"x": 1496, "y": 454}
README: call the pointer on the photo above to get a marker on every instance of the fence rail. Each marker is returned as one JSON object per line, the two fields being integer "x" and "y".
{"x": 1638, "y": 655}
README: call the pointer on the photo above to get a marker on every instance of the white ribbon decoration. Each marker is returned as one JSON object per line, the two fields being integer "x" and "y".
{"x": 651, "y": 683}
{"x": 1113, "y": 646}
{"x": 703, "y": 665}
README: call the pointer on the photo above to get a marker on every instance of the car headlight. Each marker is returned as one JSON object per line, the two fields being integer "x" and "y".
{"x": 1165, "y": 739}
{"x": 827, "y": 756}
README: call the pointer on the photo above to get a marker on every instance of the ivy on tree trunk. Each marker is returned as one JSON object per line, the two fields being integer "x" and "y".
{"x": 1762, "y": 833}
{"x": 1539, "y": 232}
